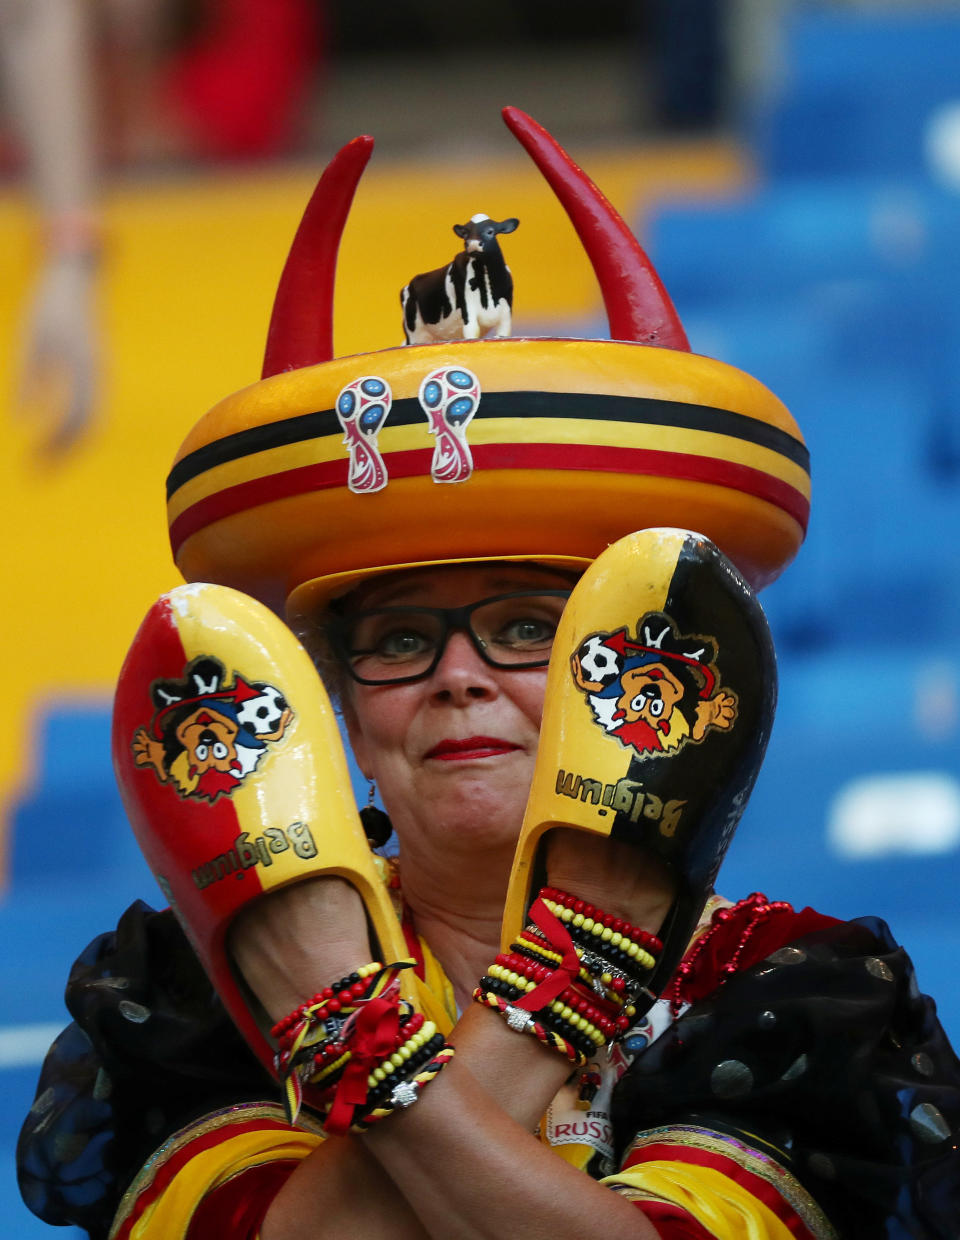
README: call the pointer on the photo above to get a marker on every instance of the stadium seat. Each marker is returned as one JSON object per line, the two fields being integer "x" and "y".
{"x": 857, "y": 90}
{"x": 857, "y": 808}
{"x": 789, "y": 235}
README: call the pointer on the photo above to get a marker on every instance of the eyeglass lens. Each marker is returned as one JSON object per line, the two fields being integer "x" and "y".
{"x": 392, "y": 643}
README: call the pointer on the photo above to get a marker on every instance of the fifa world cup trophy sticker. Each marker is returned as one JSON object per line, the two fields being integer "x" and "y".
{"x": 449, "y": 397}
{"x": 362, "y": 408}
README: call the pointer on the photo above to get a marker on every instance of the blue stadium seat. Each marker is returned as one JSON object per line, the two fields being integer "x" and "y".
{"x": 789, "y": 235}
{"x": 880, "y": 726}
{"x": 71, "y": 825}
{"x": 856, "y": 91}
{"x": 74, "y": 864}
{"x": 879, "y": 556}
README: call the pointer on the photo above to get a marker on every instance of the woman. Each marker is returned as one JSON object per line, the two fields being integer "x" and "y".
{"x": 453, "y": 757}
{"x": 756, "y": 1106}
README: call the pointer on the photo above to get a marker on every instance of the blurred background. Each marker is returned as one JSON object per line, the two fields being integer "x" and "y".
{"x": 794, "y": 170}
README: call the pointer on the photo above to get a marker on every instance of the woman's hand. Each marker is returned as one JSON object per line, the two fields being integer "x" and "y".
{"x": 621, "y": 879}
{"x": 295, "y": 941}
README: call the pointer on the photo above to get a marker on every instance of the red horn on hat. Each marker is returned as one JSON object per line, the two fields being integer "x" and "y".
{"x": 638, "y": 306}
{"x": 301, "y": 326}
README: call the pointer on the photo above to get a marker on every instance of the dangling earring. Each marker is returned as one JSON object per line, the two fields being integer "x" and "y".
{"x": 376, "y": 825}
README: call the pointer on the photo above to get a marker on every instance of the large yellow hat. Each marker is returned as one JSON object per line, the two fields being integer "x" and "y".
{"x": 329, "y": 469}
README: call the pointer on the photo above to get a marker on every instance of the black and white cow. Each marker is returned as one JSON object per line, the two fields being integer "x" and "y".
{"x": 470, "y": 297}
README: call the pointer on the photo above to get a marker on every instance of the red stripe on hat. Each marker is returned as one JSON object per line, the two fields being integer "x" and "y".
{"x": 585, "y": 458}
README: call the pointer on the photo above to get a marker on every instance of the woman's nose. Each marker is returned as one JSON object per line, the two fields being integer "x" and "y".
{"x": 461, "y": 671}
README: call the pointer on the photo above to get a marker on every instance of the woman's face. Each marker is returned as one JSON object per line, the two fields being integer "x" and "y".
{"x": 452, "y": 754}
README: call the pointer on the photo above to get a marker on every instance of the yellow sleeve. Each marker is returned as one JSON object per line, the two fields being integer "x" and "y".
{"x": 735, "y": 1191}
{"x": 161, "y": 1201}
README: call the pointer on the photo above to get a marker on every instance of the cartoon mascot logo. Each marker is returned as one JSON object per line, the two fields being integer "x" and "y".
{"x": 206, "y": 736}
{"x": 654, "y": 692}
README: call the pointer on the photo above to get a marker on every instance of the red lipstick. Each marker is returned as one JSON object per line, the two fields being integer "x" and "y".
{"x": 471, "y": 747}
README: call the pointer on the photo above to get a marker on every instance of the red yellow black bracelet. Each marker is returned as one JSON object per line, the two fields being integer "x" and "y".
{"x": 361, "y": 1049}
{"x": 571, "y": 976}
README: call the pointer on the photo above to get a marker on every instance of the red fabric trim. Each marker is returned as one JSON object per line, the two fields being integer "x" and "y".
{"x": 416, "y": 462}
{"x": 756, "y": 1185}
{"x": 178, "y": 1160}
{"x": 237, "y": 1209}
{"x": 672, "y": 1222}
{"x": 781, "y": 927}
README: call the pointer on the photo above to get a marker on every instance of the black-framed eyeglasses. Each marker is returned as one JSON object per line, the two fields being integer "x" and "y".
{"x": 392, "y": 645}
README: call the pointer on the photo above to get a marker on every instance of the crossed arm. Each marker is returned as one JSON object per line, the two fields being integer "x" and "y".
{"x": 462, "y": 1163}
{"x": 465, "y": 1160}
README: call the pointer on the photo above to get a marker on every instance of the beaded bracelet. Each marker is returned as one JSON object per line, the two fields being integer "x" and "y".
{"x": 608, "y": 997}
{"x": 576, "y": 1015}
{"x": 590, "y": 933}
{"x": 318, "y": 1019}
{"x": 387, "y": 1093}
{"x": 505, "y": 968}
{"x": 581, "y": 1033}
{"x": 311, "y": 1031}
{"x": 601, "y": 947}
{"x": 608, "y": 1016}
{"x": 627, "y": 962}
{"x": 571, "y": 976}
{"x": 616, "y": 925}
{"x": 359, "y": 1047}
{"x": 522, "y": 1022}
{"x": 405, "y": 1093}
{"x": 609, "y": 983}
{"x": 333, "y": 1057}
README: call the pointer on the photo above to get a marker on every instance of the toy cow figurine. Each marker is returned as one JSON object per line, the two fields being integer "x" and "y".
{"x": 470, "y": 297}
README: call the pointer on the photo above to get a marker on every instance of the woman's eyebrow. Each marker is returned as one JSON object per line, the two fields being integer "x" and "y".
{"x": 387, "y": 599}
{"x": 499, "y": 586}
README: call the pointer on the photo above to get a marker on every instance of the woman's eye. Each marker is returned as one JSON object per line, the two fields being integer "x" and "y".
{"x": 220, "y": 750}
{"x": 402, "y": 644}
{"x": 202, "y": 751}
{"x": 528, "y": 631}
{"x": 656, "y": 707}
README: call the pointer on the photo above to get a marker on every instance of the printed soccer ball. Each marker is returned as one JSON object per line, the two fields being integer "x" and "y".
{"x": 599, "y": 664}
{"x": 262, "y": 714}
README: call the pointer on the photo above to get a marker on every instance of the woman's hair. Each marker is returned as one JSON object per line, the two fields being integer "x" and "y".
{"x": 315, "y": 638}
